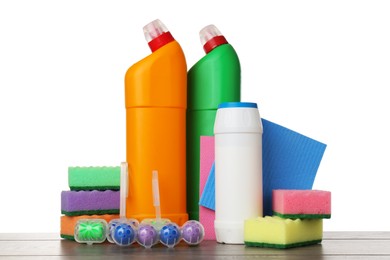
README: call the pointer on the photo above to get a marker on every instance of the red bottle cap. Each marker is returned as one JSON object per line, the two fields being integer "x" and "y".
{"x": 157, "y": 35}
{"x": 211, "y": 38}
{"x": 160, "y": 41}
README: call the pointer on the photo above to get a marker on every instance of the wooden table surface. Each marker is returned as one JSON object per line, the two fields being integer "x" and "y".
{"x": 335, "y": 245}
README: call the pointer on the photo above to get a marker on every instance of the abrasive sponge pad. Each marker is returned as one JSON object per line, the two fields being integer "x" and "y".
{"x": 301, "y": 203}
{"x": 277, "y": 232}
{"x": 94, "y": 178}
{"x": 68, "y": 223}
{"x": 74, "y": 203}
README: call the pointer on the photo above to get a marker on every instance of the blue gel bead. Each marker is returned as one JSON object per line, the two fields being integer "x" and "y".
{"x": 124, "y": 234}
{"x": 111, "y": 229}
{"x": 170, "y": 235}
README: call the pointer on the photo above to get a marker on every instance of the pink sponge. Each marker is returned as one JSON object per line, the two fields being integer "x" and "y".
{"x": 301, "y": 203}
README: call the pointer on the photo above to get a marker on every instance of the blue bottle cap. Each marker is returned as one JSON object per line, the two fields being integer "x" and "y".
{"x": 237, "y": 104}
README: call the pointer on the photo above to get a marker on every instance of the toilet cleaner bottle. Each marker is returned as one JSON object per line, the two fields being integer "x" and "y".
{"x": 156, "y": 102}
{"x": 214, "y": 79}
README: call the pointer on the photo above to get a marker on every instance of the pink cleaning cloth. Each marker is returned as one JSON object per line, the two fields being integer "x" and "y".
{"x": 206, "y": 216}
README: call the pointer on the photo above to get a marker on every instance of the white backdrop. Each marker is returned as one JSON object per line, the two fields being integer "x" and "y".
{"x": 321, "y": 68}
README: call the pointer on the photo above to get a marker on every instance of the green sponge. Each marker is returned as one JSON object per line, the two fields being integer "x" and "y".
{"x": 282, "y": 246}
{"x": 94, "y": 178}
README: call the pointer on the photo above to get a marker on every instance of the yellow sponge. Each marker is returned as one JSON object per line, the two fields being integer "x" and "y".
{"x": 282, "y": 233}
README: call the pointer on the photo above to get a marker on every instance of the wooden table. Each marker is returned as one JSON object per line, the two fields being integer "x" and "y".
{"x": 335, "y": 245}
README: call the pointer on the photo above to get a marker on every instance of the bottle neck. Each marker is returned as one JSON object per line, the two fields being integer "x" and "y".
{"x": 160, "y": 41}
{"x": 214, "y": 42}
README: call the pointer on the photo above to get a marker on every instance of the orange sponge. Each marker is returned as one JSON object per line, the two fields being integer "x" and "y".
{"x": 68, "y": 223}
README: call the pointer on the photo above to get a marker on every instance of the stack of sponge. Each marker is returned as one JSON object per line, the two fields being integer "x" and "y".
{"x": 94, "y": 193}
{"x": 297, "y": 220}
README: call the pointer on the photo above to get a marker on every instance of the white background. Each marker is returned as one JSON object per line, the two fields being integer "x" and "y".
{"x": 321, "y": 68}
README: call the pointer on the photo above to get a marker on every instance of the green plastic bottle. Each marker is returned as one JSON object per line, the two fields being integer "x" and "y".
{"x": 214, "y": 79}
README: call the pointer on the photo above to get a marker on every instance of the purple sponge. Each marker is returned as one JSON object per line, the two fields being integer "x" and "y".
{"x": 75, "y": 203}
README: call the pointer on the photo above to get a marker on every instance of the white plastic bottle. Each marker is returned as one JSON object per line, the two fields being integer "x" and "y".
{"x": 238, "y": 169}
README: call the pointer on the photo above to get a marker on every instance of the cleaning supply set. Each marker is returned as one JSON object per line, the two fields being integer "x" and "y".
{"x": 290, "y": 161}
{"x": 297, "y": 220}
{"x": 165, "y": 126}
{"x": 94, "y": 194}
{"x": 124, "y": 231}
{"x": 94, "y": 231}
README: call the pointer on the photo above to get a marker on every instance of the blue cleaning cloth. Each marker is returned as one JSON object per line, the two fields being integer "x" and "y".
{"x": 290, "y": 161}
{"x": 208, "y": 196}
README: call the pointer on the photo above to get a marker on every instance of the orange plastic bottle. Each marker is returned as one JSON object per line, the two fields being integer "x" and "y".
{"x": 156, "y": 102}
